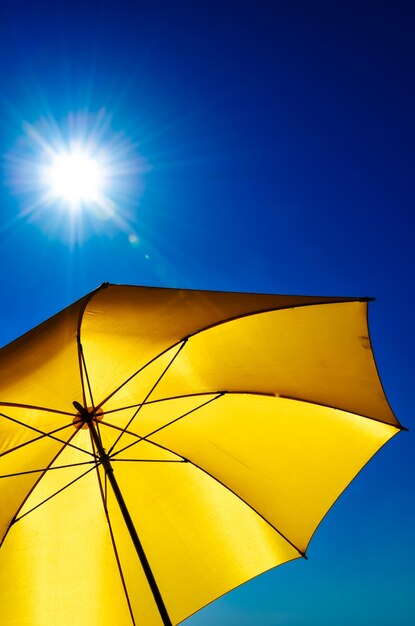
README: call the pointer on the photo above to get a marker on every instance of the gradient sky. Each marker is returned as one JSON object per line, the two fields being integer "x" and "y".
{"x": 266, "y": 147}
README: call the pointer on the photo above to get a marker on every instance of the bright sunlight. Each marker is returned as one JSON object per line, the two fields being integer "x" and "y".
{"x": 75, "y": 178}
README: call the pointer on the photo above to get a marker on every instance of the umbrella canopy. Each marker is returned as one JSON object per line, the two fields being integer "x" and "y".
{"x": 159, "y": 447}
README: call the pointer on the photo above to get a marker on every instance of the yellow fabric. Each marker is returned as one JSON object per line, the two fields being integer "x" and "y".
{"x": 289, "y": 460}
{"x": 259, "y": 410}
{"x": 57, "y": 564}
{"x": 41, "y": 368}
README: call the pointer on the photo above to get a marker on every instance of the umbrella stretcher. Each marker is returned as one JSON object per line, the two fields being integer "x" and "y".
{"x": 160, "y": 447}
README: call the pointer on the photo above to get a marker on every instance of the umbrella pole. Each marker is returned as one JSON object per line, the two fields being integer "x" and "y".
{"x": 106, "y": 464}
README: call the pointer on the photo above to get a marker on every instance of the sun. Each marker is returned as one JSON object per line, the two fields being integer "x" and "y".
{"x": 75, "y": 178}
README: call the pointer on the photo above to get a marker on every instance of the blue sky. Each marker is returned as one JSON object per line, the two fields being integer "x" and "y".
{"x": 272, "y": 149}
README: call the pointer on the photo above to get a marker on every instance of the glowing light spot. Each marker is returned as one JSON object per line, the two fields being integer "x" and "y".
{"x": 133, "y": 239}
{"x": 76, "y": 178}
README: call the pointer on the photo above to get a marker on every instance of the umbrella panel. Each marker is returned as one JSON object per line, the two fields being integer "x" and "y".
{"x": 58, "y": 565}
{"x": 41, "y": 368}
{"x": 304, "y": 455}
{"x": 320, "y": 354}
{"x": 25, "y": 450}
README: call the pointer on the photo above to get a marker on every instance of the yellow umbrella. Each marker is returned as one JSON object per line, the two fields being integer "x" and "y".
{"x": 160, "y": 447}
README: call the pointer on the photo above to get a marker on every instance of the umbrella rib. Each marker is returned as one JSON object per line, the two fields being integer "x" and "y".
{"x": 83, "y": 362}
{"x": 225, "y": 321}
{"x": 26, "y": 443}
{"x": 255, "y": 393}
{"x": 193, "y": 395}
{"x": 47, "y": 469}
{"x": 37, "y": 430}
{"x": 141, "y": 438}
{"x": 117, "y": 558}
{"x": 81, "y": 372}
{"x": 17, "y": 519}
{"x": 87, "y": 300}
{"x": 34, "y": 407}
{"x": 81, "y": 356}
{"x": 114, "y": 545}
{"x": 170, "y": 363}
{"x": 146, "y": 460}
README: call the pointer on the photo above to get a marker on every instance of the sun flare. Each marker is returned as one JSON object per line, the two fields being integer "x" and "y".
{"x": 75, "y": 178}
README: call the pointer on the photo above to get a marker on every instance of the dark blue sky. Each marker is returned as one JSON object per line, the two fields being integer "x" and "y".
{"x": 278, "y": 142}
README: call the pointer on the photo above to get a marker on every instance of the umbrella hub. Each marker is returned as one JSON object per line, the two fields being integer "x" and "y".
{"x": 86, "y": 415}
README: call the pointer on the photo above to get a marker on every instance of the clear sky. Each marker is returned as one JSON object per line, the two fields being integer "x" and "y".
{"x": 260, "y": 146}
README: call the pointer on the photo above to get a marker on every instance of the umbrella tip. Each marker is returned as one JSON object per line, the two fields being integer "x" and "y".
{"x": 105, "y": 285}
